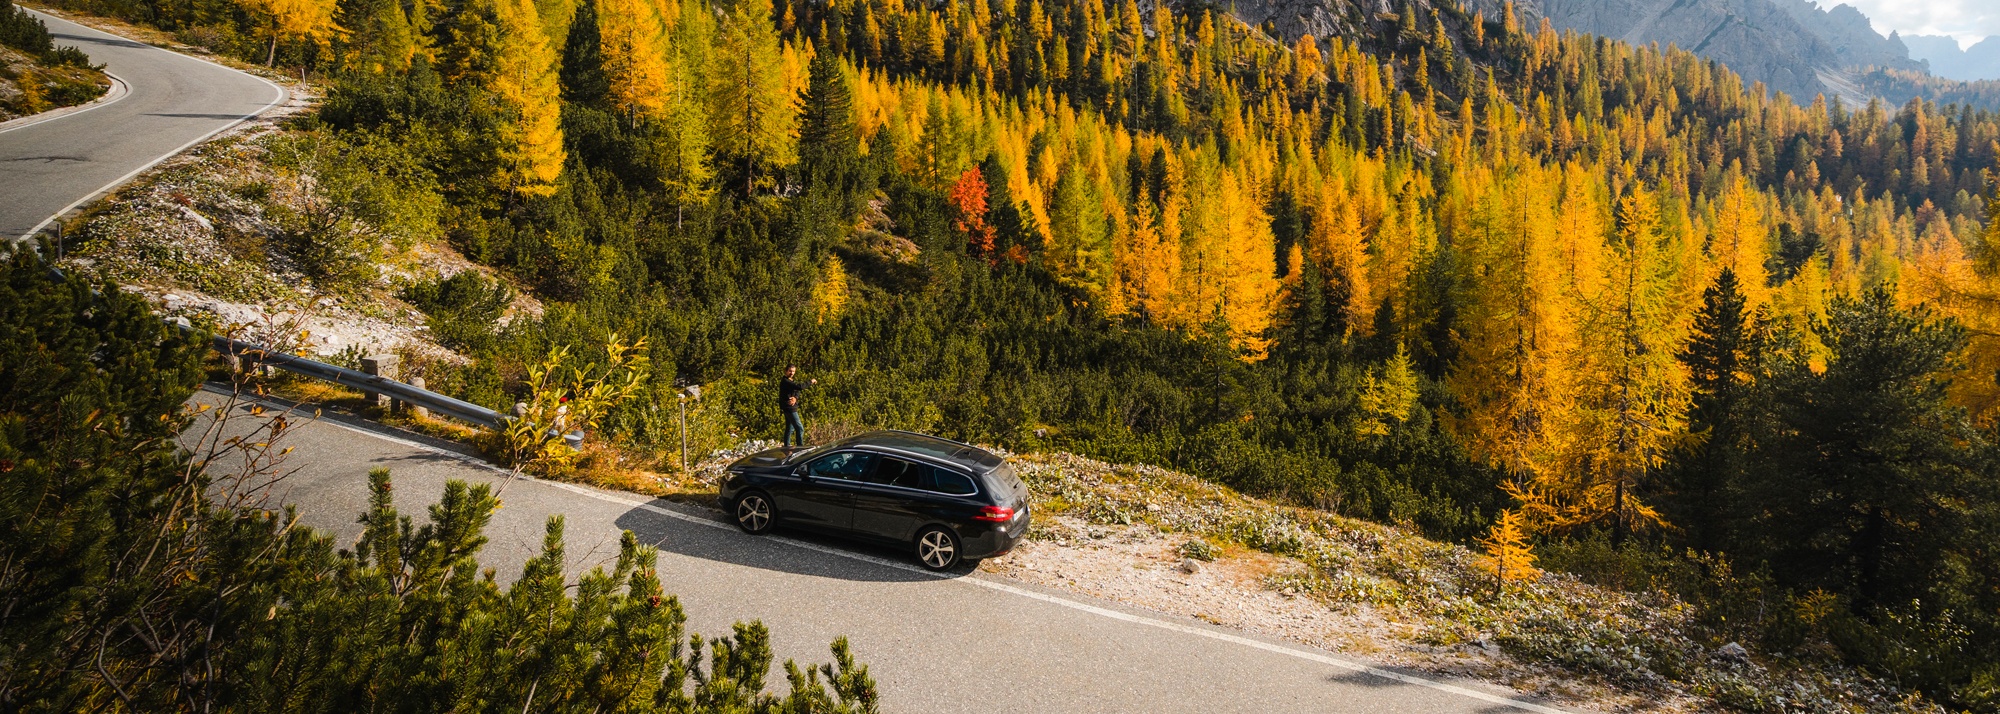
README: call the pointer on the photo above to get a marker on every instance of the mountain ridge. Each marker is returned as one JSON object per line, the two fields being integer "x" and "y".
{"x": 1790, "y": 46}
{"x": 1979, "y": 62}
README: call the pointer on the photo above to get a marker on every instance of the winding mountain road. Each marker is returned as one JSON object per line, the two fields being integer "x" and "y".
{"x": 970, "y": 642}
{"x": 166, "y": 102}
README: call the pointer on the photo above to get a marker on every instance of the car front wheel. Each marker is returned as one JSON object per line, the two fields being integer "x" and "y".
{"x": 755, "y": 514}
{"x": 938, "y": 548}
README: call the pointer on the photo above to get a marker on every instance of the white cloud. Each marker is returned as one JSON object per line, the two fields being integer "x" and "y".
{"x": 1967, "y": 20}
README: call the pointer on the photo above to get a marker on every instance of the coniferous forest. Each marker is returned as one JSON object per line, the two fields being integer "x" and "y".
{"x": 1446, "y": 269}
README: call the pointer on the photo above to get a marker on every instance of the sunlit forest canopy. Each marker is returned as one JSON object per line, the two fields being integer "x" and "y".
{"x": 1441, "y": 267}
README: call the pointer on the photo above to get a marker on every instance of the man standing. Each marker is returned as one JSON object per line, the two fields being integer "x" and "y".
{"x": 788, "y": 402}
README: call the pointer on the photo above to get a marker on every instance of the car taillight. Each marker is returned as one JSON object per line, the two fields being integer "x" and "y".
{"x": 995, "y": 514}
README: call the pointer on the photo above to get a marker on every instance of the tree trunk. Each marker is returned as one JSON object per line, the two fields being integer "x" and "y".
{"x": 1868, "y": 546}
{"x": 1618, "y": 512}
{"x": 271, "y": 57}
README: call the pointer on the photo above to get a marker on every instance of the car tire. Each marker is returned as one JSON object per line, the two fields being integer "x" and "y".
{"x": 755, "y": 513}
{"x": 937, "y": 548}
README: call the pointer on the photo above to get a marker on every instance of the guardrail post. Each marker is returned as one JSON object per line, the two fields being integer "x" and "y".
{"x": 418, "y": 409}
{"x": 384, "y": 366}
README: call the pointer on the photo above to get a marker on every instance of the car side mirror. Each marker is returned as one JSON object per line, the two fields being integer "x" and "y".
{"x": 802, "y": 472}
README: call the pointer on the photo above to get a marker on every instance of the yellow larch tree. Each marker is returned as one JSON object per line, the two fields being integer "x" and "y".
{"x": 1404, "y": 236}
{"x": 1634, "y": 391}
{"x": 1308, "y": 70}
{"x": 524, "y": 79}
{"x": 1516, "y": 335}
{"x": 1148, "y": 262}
{"x": 1388, "y": 395}
{"x": 1205, "y": 232}
{"x": 1341, "y": 251}
{"x": 632, "y": 42}
{"x": 1250, "y": 279}
{"x": 1509, "y": 556}
{"x": 752, "y": 109}
{"x": 1582, "y": 220}
{"x": 295, "y": 19}
{"x": 1739, "y": 239}
{"x": 1943, "y": 275}
{"x": 830, "y": 293}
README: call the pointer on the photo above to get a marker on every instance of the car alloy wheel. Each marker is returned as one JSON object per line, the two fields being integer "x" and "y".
{"x": 937, "y": 549}
{"x": 753, "y": 513}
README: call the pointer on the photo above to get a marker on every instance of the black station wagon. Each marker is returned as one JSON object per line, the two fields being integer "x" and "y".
{"x": 949, "y": 502}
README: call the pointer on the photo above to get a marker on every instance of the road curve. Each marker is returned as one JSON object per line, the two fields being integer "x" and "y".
{"x": 172, "y": 101}
{"x": 971, "y": 643}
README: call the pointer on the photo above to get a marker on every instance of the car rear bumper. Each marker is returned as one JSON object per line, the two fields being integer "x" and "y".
{"x": 995, "y": 541}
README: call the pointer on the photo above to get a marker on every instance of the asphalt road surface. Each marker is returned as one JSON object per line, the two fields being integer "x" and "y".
{"x": 971, "y": 642}
{"x": 51, "y": 164}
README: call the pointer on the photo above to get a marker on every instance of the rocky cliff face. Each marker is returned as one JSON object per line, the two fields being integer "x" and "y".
{"x": 1848, "y": 33}
{"x": 1330, "y": 18}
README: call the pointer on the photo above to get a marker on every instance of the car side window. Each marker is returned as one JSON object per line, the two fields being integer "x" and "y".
{"x": 848, "y": 465}
{"x": 951, "y": 482}
{"x": 890, "y": 471}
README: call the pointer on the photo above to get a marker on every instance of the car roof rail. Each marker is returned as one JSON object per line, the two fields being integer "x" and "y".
{"x": 928, "y": 436}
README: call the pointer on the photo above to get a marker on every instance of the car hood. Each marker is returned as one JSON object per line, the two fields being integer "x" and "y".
{"x": 771, "y": 459}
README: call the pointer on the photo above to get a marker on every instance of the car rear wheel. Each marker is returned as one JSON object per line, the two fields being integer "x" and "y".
{"x": 755, "y": 514}
{"x": 938, "y": 548}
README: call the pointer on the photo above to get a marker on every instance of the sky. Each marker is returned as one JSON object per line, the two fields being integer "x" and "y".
{"x": 1968, "y": 21}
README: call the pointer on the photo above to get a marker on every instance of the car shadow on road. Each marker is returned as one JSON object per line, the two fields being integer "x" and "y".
{"x": 790, "y": 551}
{"x": 1376, "y": 681}
{"x": 107, "y": 41}
{"x": 195, "y": 116}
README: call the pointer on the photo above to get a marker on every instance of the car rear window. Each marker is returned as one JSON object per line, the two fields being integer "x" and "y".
{"x": 1006, "y": 482}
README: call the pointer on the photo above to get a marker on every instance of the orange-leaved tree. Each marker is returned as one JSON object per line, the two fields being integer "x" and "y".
{"x": 968, "y": 202}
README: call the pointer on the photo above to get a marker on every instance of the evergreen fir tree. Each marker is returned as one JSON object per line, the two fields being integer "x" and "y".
{"x": 1718, "y": 356}
{"x": 1864, "y": 474}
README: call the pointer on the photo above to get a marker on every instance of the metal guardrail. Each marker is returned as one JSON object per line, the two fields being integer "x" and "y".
{"x": 437, "y": 403}
{"x": 406, "y": 393}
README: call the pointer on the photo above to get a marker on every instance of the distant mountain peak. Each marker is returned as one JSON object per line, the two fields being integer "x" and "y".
{"x": 1946, "y": 59}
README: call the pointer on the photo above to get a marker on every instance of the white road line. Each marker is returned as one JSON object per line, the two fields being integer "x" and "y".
{"x": 282, "y": 94}
{"x": 992, "y": 585}
{"x": 119, "y": 91}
